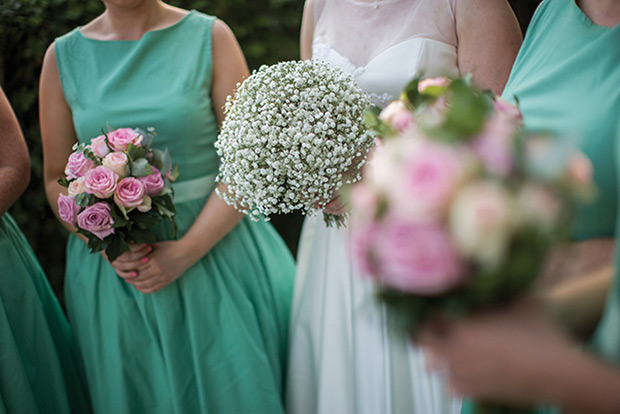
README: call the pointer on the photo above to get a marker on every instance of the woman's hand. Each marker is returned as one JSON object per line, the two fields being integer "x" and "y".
{"x": 337, "y": 206}
{"x": 506, "y": 355}
{"x": 127, "y": 264}
{"x": 164, "y": 264}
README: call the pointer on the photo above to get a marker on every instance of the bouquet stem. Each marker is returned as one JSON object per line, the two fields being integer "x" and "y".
{"x": 335, "y": 219}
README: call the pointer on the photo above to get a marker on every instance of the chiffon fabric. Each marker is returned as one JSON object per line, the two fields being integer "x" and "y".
{"x": 39, "y": 370}
{"x": 214, "y": 340}
{"x": 345, "y": 356}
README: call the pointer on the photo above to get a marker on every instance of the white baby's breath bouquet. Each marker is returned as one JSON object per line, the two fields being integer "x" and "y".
{"x": 294, "y": 133}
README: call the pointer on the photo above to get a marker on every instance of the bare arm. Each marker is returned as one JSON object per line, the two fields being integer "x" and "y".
{"x": 14, "y": 159}
{"x": 517, "y": 355}
{"x": 307, "y": 30}
{"x": 489, "y": 38}
{"x": 57, "y": 132}
{"x": 577, "y": 303}
{"x": 169, "y": 260}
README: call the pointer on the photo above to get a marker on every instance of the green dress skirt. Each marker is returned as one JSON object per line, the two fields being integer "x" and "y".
{"x": 39, "y": 372}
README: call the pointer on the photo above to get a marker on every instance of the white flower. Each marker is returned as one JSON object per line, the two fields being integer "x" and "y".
{"x": 291, "y": 132}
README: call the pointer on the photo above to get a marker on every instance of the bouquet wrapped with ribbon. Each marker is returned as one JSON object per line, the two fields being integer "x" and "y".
{"x": 118, "y": 188}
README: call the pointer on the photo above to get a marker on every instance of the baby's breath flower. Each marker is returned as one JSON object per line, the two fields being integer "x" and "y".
{"x": 292, "y": 130}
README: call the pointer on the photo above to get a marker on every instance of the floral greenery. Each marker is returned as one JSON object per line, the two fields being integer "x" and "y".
{"x": 267, "y": 30}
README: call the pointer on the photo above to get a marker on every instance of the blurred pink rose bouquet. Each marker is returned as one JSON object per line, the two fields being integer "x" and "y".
{"x": 118, "y": 187}
{"x": 457, "y": 207}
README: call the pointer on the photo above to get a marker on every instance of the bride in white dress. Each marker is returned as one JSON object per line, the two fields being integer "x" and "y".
{"x": 344, "y": 359}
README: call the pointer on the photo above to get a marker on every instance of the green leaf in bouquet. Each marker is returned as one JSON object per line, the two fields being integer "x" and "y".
{"x": 147, "y": 137}
{"x": 85, "y": 199}
{"x": 174, "y": 174}
{"x": 138, "y": 235}
{"x": 117, "y": 246}
{"x": 466, "y": 114}
{"x": 167, "y": 162}
{"x": 411, "y": 93}
{"x": 90, "y": 154}
{"x": 164, "y": 205}
{"x": 372, "y": 121}
{"x": 78, "y": 147}
{"x": 144, "y": 221}
{"x": 141, "y": 168}
{"x": 136, "y": 152}
{"x": 158, "y": 159}
{"x": 63, "y": 181}
{"x": 95, "y": 244}
{"x": 120, "y": 219}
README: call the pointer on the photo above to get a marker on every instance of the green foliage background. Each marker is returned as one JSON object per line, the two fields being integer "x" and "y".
{"x": 267, "y": 30}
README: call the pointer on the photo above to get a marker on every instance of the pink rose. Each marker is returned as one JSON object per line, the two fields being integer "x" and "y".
{"x": 129, "y": 193}
{"x": 440, "y": 81}
{"x": 76, "y": 187}
{"x": 154, "y": 182}
{"x": 120, "y": 139}
{"x": 417, "y": 257}
{"x": 78, "y": 165}
{"x": 397, "y": 115}
{"x": 508, "y": 110}
{"x": 101, "y": 182}
{"x": 100, "y": 146}
{"x": 97, "y": 220}
{"x": 579, "y": 171}
{"x": 429, "y": 174}
{"x": 118, "y": 162}
{"x": 364, "y": 200}
{"x": 538, "y": 205}
{"x": 362, "y": 236}
{"x": 494, "y": 145}
{"x": 482, "y": 220}
{"x": 68, "y": 209}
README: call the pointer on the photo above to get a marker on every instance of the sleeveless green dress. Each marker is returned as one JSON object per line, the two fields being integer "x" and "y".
{"x": 214, "y": 341}
{"x": 566, "y": 79}
{"x": 606, "y": 338}
{"x": 39, "y": 369}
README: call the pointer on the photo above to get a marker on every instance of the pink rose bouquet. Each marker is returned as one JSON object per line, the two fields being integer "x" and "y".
{"x": 457, "y": 206}
{"x": 118, "y": 188}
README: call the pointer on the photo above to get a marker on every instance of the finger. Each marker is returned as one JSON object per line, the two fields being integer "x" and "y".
{"x": 152, "y": 289}
{"x": 134, "y": 255}
{"x": 129, "y": 275}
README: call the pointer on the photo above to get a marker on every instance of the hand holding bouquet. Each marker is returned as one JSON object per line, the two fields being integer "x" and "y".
{"x": 118, "y": 187}
{"x": 293, "y": 135}
{"x": 458, "y": 208}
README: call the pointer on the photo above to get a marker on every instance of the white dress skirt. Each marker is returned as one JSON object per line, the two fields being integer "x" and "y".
{"x": 344, "y": 356}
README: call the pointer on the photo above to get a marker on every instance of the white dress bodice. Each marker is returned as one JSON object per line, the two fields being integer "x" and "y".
{"x": 344, "y": 356}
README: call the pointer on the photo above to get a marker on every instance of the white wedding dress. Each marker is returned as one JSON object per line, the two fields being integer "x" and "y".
{"x": 344, "y": 358}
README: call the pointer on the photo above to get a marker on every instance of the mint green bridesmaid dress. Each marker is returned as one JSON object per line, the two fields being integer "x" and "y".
{"x": 213, "y": 341}
{"x": 566, "y": 78}
{"x": 606, "y": 338}
{"x": 39, "y": 369}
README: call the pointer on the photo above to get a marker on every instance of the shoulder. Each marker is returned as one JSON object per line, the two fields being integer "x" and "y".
{"x": 222, "y": 33}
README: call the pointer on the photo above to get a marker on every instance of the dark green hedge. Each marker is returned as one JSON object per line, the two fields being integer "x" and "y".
{"x": 268, "y": 31}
